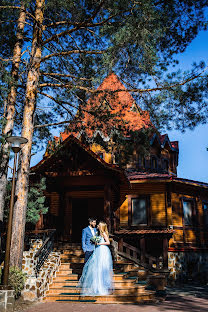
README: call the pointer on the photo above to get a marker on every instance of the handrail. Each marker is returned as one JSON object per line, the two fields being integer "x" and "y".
{"x": 152, "y": 263}
{"x": 43, "y": 253}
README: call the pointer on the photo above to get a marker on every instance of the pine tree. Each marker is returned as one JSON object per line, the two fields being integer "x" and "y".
{"x": 9, "y": 107}
{"x": 75, "y": 43}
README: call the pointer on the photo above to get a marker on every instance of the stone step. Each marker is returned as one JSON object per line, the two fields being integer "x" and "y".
{"x": 72, "y": 265}
{"x": 63, "y": 283}
{"x": 66, "y": 277}
{"x": 146, "y": 296}
{"x": 77, "y": 253}
{"x": 117, "y": 291}
{"x": 72, "y": 259}
{"x": 73, "y": 283}
{"x": 120, "y": 276}
{"x": 63, "y": 271}
{"x": 141, "y": 274}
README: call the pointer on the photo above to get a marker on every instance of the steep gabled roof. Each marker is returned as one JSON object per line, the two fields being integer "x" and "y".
{"x": 69, "y": 144}
{"x": 118, "y": 103}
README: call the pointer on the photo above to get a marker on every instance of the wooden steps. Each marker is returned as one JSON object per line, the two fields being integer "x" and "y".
{"x": 129, "y": 281}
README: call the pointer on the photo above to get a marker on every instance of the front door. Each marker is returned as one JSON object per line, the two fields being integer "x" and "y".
{"x": 82, "y": 209}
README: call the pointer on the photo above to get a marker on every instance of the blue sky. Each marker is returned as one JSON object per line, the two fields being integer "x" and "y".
{"x": 193, "y": 156}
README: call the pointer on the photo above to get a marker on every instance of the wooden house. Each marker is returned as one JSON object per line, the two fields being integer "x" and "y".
{"x": 152, "y": 214}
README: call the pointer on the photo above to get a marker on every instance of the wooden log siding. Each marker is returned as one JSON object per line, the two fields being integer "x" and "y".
{"x": 177, "y": 212}
{"x": 54, "y": 204}
{"x": 156, "y": 192}
{"x": 86, "y": 194}
{"x": 158, "y": 209}
{"x": 124, "y": 213}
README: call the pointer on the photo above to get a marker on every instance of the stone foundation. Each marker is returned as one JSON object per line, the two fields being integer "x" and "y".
{"x": 36, "y": 287}
{"x": 6, "y": 299}
{"x": 187, "y": 266}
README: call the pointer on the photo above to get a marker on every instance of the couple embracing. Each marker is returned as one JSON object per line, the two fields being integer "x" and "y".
{"x": 97, "y": 275}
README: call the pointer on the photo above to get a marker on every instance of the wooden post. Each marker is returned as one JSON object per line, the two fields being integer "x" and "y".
{"x": 143, "y": 249}
{"x": 107, "y": 206}
{"x": 120, "y": 244}
{"x": 165, "y": 252}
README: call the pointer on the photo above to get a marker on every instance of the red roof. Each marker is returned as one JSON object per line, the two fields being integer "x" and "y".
{"x": 133, "y": 176}
{"x": 118, "y": 105}
{"x": 174, "y": 144}
{"x": 146, "y": 175}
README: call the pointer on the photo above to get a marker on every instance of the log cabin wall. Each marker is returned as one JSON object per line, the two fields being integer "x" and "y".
{"x": 194, "y": 234}
{"x": 156, "y": 192}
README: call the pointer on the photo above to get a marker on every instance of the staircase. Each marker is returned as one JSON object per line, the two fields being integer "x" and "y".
{"x": 129, "y": 280}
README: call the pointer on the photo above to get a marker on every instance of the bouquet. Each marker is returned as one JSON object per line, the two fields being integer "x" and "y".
{"x": 95, "y": 239}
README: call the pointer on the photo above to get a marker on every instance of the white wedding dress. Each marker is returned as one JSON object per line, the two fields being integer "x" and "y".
{"x": 97, "y": 275}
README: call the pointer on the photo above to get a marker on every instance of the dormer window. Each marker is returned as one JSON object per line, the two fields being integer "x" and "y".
{"x": 154, "y": 163}
{"x": 101, "y": 155}
{"x": 166, "y": 165}
{"x": 142, "y": 162}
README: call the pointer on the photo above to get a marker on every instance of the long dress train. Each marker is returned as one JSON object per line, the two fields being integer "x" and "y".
{"x": 97, "y": 275}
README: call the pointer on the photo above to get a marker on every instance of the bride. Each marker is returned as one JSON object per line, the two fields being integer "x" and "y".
{"x": 97, "y": 275}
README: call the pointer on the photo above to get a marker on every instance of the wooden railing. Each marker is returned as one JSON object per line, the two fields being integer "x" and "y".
{"x": 152, "y": 263}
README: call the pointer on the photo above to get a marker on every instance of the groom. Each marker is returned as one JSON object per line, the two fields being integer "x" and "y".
{"x": 87, "y": 233}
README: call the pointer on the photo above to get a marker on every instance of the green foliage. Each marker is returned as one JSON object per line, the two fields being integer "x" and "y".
{"x": 138, "y": 141}
{"x": 17, "y": 280}
{"x": 36, "y": 201}
{"x": 138, "y": 40}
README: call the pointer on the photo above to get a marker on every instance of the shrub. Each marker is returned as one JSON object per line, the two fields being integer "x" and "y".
{"x": 17, "y": 280}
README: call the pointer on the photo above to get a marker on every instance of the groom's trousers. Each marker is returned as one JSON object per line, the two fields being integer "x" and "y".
{"x": 88, "y": 255}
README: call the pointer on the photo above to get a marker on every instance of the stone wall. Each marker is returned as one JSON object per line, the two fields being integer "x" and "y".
{"x": 6, "y": 299}
{"x": 36, "y": 287}
{"x": 187, "y": 266}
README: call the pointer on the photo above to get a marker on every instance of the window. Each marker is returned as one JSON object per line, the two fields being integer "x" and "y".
{"x": 154, "y": 163}
{"x": 166, "y": 164}
{"x": 188, "y": 211}
{"x": 139, "y": 210}
{"x": 142, "y": 161}
{"x": 205, "y": 210}
{"x": 101, "y": 155}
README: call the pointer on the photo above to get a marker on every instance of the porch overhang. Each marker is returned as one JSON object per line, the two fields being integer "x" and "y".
{"x": 73, "y": 158}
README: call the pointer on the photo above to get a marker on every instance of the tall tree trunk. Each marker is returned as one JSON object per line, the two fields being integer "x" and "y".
{"x": 19, "y": 217}
{"x": 10, "y": 107}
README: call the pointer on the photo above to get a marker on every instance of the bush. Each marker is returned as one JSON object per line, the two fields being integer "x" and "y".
{"x": 17, "y": 280}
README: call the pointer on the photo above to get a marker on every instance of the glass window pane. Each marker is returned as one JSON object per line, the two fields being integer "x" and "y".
{"x": 139, "y": 211}
{"x": 187, "y": 212}
{"x": 205, "y": 208}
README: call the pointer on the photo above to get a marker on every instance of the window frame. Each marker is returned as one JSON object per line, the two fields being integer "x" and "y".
{"x": 194, "y": 212}
{"x": 205, "y": 202}
{"x": 130, "y": 210}
{"x": 164, "y": 162}
{"x": 154, "y": 157}
{"x": 142, "y": 162}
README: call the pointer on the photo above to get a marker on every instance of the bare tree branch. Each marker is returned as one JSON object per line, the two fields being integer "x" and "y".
{"x": 3, "y": 7}
{"x": 53, "y": 124}
{"x": 63, "y": 53}
{"x": 56, "y": 36}
{"x": 6, "y": 60}
{"x": 65, "y": 75}
{"x": 58, "y": 102}
{"x": 134, "y": 90}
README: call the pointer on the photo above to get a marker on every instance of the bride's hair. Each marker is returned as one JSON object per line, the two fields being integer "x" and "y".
{"x": 103, "y": 228}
